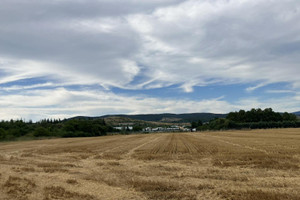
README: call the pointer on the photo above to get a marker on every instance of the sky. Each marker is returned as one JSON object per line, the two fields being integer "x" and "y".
{"x": 64, "y": 58}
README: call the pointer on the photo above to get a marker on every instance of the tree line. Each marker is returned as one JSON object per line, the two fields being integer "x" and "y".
{"x": 13, "y": 129}
{"x": 252, "y": 119}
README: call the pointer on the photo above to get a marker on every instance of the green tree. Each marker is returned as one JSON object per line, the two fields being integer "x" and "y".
{"x": 41, "y": 132}
{"x": 2, "y": 134}
{"x": 194, "y": 125}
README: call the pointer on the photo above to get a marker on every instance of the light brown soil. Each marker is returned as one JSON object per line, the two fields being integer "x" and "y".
{"x": 236, "y": 165}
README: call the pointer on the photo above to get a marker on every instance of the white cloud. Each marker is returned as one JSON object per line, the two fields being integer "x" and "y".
{"x": 250, "y": 89}
{"x": 231, "y": 41}
{"x": 142, "y": 45}
{"x": 18, "y": 87}
{"x": 63, "y": 103}
{"x": 280, "y": 91}
{"x": 177, "y": 42}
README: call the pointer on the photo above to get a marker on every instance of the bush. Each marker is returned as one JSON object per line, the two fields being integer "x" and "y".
{"x": 41, "y": 132}
{"x": 85, "y": 128}
{"x": 2, "y": 134}
{"x": 14, "y": 132}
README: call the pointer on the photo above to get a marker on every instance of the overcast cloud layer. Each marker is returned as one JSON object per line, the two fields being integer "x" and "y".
{"x": 63, "y": 58}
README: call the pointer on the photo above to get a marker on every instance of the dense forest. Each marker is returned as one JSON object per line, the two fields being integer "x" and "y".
{"x": 13, "y": 129}
{"x": 253, "y": 119}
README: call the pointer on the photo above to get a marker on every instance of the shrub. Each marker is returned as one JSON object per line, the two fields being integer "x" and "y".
{"x": 41, "y": 131}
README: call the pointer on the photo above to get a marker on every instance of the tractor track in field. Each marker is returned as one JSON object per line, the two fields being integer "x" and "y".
{"x": 132, "y": 151}
{"x": 240, "y": 145}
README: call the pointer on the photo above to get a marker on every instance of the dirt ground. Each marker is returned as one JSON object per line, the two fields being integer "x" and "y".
{"x": 241, "y": 165}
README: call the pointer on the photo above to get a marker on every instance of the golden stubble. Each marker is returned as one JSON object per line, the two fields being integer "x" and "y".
{"x": 241, "y": 165}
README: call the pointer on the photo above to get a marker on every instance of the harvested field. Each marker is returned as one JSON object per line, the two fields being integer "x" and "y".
{"x": 235, "y": 165}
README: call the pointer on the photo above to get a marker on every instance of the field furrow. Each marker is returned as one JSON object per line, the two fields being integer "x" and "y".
{"x": 237, "y": 165}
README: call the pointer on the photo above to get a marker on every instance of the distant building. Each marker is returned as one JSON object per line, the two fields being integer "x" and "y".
{"x": 173, "y": 128}
{"x": 147, "y": 129}
{"x": 120, "y": 128}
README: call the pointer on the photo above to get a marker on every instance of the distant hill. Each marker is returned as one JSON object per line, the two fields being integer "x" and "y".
{"x": 297, "y": 113}
{"x": 166, "y": 117}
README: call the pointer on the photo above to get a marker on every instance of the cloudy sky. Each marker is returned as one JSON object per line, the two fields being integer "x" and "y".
{"x": 62, "y": 58}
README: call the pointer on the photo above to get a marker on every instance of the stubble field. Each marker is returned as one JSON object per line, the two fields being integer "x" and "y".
{"x": 241, "y": 165}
